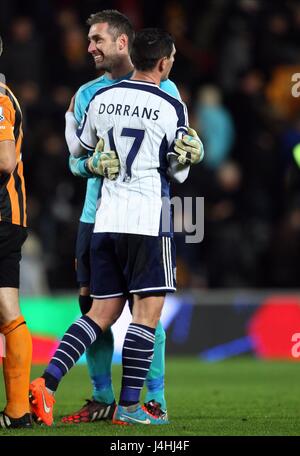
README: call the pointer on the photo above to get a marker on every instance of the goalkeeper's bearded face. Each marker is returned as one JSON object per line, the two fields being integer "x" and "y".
{"x": 103, "y": 47}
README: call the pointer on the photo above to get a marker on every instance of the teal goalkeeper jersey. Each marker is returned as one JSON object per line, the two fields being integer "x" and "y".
{"x": 94, "y": 184}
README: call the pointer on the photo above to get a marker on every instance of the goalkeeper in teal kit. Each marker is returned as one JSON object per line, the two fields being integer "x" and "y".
{"x": 110, "y": 37}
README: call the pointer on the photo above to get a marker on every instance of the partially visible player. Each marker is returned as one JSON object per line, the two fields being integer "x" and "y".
{"x": 111, "y": 36}
{"x": 17, "y": 362}
{"x": 131, "y": 253}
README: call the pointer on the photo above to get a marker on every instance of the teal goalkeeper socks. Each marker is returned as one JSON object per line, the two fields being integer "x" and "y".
{"x": 156, "y": 375}
{"x": 99, "y": 358}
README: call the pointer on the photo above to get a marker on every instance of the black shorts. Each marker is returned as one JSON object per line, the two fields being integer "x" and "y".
{"x": 12, "y": 237}
{"x": 131, "y": 263}
{"x": 82, "y": 261}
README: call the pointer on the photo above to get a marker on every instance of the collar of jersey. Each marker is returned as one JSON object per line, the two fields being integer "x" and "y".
{"x": 114, "y": 81}
{"x": 142, "y": 82}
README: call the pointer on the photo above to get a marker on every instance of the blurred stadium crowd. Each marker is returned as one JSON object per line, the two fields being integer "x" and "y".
{"x": 234, "y": 63}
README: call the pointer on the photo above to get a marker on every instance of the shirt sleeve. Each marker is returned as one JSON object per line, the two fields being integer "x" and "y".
{"x": 78, "y": 108}
{"x": 178, "y": 124}
{"x": 86, "y": 131}
{"x": 177, "y": 173}
{"x": 170, "y": 87}
{"x": 7, "y": 119}
{"x": 72, "y": 141}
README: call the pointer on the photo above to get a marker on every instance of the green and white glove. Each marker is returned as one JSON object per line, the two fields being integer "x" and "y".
{"x": 104, "y": 163}
{"x": 189, "y": 148}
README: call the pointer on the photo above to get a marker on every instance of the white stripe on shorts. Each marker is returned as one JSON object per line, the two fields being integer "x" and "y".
{"x": 167, "y": 260}
{"x": 106, "y": 296}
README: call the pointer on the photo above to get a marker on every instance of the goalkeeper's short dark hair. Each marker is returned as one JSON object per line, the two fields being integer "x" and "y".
{"x": 149, "y": 46}
{"x": 118, "y": 23}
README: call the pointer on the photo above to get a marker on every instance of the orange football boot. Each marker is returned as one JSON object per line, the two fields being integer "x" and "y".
{"x": 41, "y": 401}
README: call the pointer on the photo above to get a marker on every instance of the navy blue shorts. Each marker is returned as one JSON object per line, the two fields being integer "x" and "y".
{"x": 82, "y": 261}
{"x": 131, "y": 263}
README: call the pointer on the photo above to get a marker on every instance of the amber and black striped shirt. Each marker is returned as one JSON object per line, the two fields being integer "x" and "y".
{"x": 12, "y": 186}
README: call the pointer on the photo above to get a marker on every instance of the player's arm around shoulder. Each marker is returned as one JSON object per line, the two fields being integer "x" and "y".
{"x": 78, "y": 156}
{"x": 189, "y": 147}
{"x": 186, "y": 150}
{"x": 72, "y": 141}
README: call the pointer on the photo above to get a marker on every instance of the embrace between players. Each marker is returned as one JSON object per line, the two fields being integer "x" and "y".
{"x": 128, "y": 133}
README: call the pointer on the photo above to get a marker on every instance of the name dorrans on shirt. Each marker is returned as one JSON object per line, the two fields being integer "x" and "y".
{"x": 140, "y": 122}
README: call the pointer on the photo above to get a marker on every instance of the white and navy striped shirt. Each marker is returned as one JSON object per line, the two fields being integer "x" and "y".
{"x": 140, "y": 122}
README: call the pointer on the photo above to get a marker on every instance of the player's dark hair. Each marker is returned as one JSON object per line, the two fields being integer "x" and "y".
{"x": 1, "y": 46}
{"x": 150, "y": 45}
{"x": 118, "y": 23}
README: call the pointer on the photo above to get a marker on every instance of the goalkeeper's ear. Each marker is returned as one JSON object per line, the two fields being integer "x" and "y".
{"x": 1, "y": 46}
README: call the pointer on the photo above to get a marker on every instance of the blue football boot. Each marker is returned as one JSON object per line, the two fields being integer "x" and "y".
{"x": 135, "y": 414}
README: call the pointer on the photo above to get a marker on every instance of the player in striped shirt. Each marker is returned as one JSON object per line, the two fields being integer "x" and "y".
{"x": 135, "y": 258}
{"x": 111, "y": 37}
{"x": 17, "y": 362}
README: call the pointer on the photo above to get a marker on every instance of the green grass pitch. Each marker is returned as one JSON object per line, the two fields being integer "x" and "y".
{"x": 241, "y": 396}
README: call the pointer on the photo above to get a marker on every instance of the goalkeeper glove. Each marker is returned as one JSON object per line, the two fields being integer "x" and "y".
{"x": 189, "y": 148}
{"x": 103, "y": 163}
